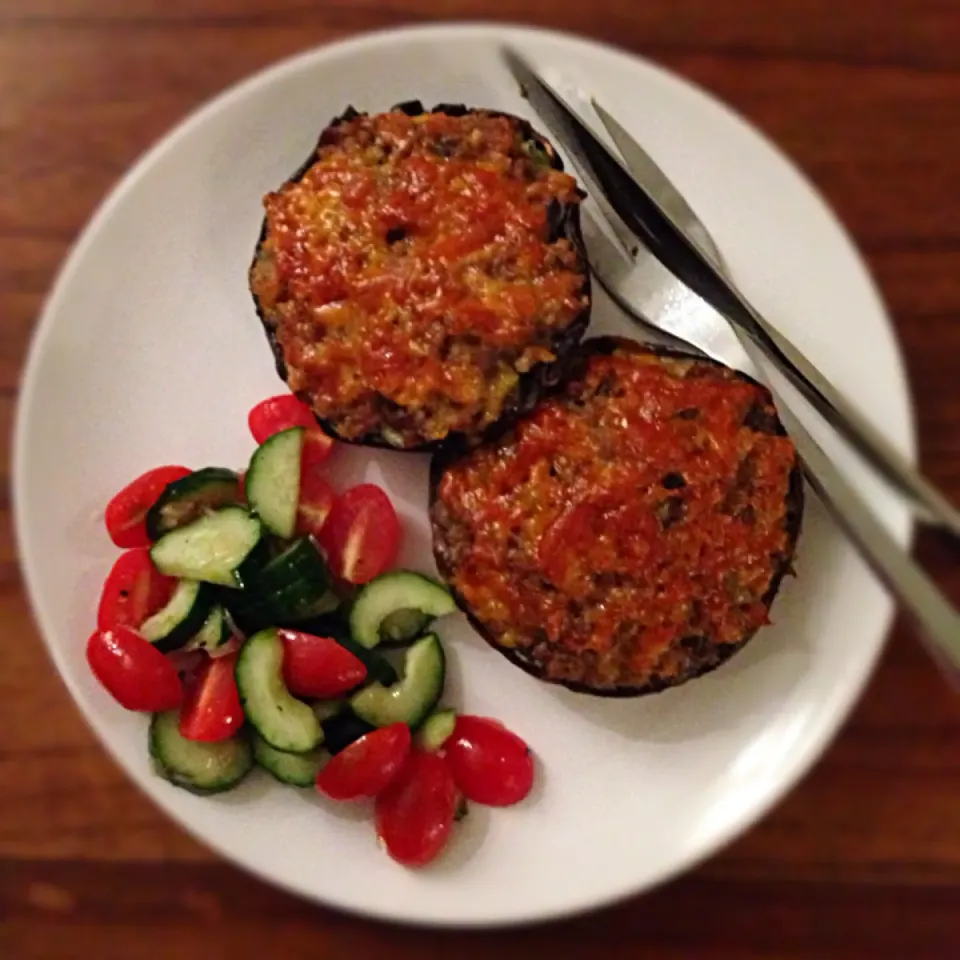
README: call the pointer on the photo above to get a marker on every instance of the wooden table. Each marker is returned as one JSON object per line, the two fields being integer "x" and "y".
{"x": 863, "y": 859}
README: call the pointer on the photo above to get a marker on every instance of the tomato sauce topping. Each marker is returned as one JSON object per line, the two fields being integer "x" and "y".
{"x": 412, "y": 273}
{"x": 646, "y": 505}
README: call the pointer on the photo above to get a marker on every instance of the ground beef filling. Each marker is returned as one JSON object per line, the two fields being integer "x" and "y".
{"x": 630, "y": 527}
{"x": 411, "y": 274}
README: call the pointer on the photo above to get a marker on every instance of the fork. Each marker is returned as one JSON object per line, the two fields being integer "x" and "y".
{"x": 622, "y": 184}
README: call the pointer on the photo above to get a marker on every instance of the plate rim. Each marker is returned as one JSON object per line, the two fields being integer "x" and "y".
{"x": 86, "y": 237}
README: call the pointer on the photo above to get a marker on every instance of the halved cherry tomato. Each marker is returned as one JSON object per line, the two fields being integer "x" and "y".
{"x": 134, "y": 590}
{"x": 362, "y": 534}
{"x": 126, "y": 513}
{"x": 279, "y": 413}
{"x": 316, "y": 493}
{"x": 212, "y": 709}
{"x": 133, "y": 671}
{"x": 415, "y": 813}
{"x": 490, "y": 764}
{"x": 318, "y": 667}
{"x": 317, "y": 447}
{"x": 368, "y": 765}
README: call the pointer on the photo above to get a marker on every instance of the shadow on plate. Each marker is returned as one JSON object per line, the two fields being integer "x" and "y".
{"x": 256, "y": 786}
{"x": 355, "y": 811}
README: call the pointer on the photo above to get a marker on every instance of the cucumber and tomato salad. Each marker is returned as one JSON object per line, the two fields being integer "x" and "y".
{"x": 226, "y": 619}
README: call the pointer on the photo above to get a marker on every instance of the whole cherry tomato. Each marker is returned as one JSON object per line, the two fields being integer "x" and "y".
{"x": 415, "y": 813}
{"x": 490, "y": 764}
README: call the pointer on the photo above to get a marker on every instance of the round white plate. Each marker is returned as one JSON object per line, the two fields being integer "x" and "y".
{"x": 149, "y": 352}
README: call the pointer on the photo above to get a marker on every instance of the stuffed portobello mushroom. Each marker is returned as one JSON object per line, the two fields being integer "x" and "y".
{"x": 631, "y": 532}
{"x": 421, "y": 278}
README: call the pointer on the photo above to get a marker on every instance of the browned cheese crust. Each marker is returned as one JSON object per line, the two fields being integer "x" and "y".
{"x": 422, "y": 276}
{"x": 632, "y": 531}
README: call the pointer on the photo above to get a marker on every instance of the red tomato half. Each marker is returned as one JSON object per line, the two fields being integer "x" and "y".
{"x": 318, "y": 667}
{"x": 212, "y": 710}
{"x": 415, "y": 813}
{"x": 368, "y": 765}
{"x": 134, "y": 590}
{"x": 126, "y": 513}
{"x": 317, "y": 447}
{"x": 362, "y": 534}
{"x": 316, "y": 495}
{"x": 490, "y": 764}
{"x": 279, "y": 413}
{"x": 133, "y": 671}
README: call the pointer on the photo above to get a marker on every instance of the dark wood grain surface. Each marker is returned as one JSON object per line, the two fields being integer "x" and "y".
{"x": 863, "y": 859}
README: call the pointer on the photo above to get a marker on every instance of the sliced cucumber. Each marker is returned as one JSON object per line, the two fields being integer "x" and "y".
{"x": 436, "y": 730}
{"x": 300, "y": 602}
{"x": 284, "y": 722}
{"x": 411, "y": 699}
{"x": 210, "y": 548}
{"x": 397, "y": 607}
{"x": 291, "y": 587}
{"x": 296, "y": 769}
{"x": 174, "y": 625}
{"x": 214, "y": 633}
{"x": 195, "y": 495}
{"x": 340, "y": 730}
{"x": 199, "y": 767}
{"x": 276, "y": 565}
{"x": 273, "y": 481}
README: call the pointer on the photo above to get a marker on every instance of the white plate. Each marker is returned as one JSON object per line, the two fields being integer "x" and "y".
{"x": 149, "y": 352}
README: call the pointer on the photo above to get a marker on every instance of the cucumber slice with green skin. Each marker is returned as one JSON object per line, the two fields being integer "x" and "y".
{"x": 286, "y": 723}
{"x": 214, "y": 633}
{"x": 436, "y": 730}
{"x": 410, "y": 699}
{"x": 291, "y": 587}
{"x": 273, "y": 481}
{"x": 396, "y": 607}
{"x": 298, "y": 603}
{"x": 274, "y": 566}
{"x": 210, "y": 548}
{"x": 295, "y": 769}
{"x": 202, "y": 768}
{"x": 173, "y": 626}
{"x": 342, "y": 729}
{"x": 185, "y": 500}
